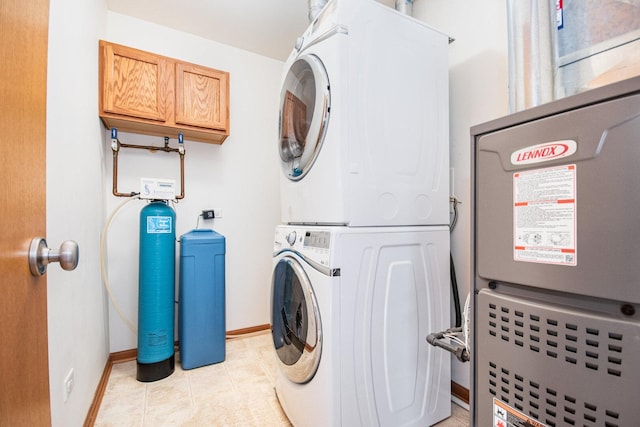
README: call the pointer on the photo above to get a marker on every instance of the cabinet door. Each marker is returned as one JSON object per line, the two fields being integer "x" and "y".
{"x": 202, "y": 97}
{"x": 134, "y": 83}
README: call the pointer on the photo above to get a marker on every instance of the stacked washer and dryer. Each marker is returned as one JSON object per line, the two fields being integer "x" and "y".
{"x": 361, "y": 264}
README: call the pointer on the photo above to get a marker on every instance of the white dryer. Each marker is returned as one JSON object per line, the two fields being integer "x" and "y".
{"x": 351, "y": 308}
{"x": 364, "y": 129}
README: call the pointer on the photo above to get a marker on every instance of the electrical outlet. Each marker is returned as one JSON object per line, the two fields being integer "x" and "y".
{"x": 69, "y": 382}
{"x": 212, "y": 213}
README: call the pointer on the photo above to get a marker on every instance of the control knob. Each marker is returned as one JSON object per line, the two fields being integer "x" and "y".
{"x": 291, "y": 238}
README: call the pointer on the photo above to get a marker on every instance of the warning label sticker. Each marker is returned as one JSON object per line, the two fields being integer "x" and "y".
{"x": 544, "y": 215}
{"x": 159, "y": 224}
{"x": 505, "y": 416}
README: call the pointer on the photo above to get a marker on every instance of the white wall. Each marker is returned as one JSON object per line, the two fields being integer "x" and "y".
{"x": 478, "y": 89}
{"x": 75, "y": 206}
{"x": 240, "y": 177}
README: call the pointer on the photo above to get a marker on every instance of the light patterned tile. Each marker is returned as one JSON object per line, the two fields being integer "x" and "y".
{"x": 460, "y": 413}
{"x": 222, "y": 409}
{"x": 246, "y": 372}
{"x": 269, "y": 363}
{"x": 124, "y": 399}
{"x": 236, "y": 392}
{"x": 208, "y": 381}
{"x": 120, "y": 420}
{"x": 124, "y": 369}
{"x": 164, "y": 392}
{"x": 260, "y": 342}
{"x": 173, "y": 415}
{"x": 120, "y": 415}
{"x": 236, "y": 349}
{"x": 169, "y": 402}
{"x": 459, "y": 418}
{"x": 271, "y": 407}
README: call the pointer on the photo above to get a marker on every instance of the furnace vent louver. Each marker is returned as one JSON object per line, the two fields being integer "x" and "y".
{"x": 561, "y": 366}
{"x": 563, "y": 341}
{"x": 546, "y": 404}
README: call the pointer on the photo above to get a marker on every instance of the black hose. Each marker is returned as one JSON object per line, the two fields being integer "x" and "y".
{"x": 454, "y": 289}
{"x": 436, "y": 340}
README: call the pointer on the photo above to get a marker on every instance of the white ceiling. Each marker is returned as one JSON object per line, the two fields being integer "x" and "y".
{"x": 266, "y": 27}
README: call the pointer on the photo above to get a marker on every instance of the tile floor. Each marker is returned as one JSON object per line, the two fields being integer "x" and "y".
{"x": 237, "y": 392}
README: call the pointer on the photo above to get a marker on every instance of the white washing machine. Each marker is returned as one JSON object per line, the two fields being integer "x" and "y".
{"x": 364, "y": 128}
{"x": 351, "y": 308}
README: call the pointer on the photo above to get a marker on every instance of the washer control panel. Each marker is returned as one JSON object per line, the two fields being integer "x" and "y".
{"x": 312, "y": 244}
{"x": 317, "y": 240}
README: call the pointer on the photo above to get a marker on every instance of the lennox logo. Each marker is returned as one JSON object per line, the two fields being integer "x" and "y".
{"x": 544, "y": 152}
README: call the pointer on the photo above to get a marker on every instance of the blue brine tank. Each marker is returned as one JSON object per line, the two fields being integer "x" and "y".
{"x": 156, "y": 292}
{"x": 201, "y": 310}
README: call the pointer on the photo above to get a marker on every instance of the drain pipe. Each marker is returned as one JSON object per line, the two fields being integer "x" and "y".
{"x": 315, "y": 6}
{"x": 405, "y": 6}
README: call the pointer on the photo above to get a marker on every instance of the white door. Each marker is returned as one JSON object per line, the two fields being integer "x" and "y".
{"x": 304, "y": 115}
{"x": 295, "y": 321}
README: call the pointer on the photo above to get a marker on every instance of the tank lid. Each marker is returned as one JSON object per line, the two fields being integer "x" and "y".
{"x": 202, "y": 234}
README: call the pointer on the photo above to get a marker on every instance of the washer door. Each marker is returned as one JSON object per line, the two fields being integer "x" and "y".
{"x": 295, "y": 321}
{"x": 304, "y": 115}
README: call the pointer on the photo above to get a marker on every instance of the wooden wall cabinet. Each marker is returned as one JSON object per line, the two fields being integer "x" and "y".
{"x": 141, "y": 92}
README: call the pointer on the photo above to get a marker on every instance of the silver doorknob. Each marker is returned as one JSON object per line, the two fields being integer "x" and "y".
{"x": 40, "y": 256}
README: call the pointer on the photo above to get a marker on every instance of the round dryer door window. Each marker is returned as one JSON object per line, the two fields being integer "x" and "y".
{"x": 304, "y": 115}
{"x": 295, "y": 321}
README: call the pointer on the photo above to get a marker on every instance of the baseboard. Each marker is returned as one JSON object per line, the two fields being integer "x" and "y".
{"x": 123, "y": 356}
{"x": 128, "y": 355}
{"x": 251, "y": 330}
{"x": 460, "y": 392}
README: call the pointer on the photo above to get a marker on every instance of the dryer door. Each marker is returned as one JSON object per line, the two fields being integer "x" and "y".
{"x": 304, "y": 115}
{"x": 295, "y": 320}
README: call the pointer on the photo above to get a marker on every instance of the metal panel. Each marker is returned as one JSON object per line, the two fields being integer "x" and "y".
{"x": 559, "y": 343}
{"x": 559, "y": 365}
{"x": 606, "y": 205}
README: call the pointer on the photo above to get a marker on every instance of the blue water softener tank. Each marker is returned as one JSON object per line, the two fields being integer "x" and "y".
{"x": 201, "y": 307}
{"x": 156, "y": 292}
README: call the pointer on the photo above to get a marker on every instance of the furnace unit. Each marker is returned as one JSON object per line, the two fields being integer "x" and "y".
{"x": 556, "y": 290}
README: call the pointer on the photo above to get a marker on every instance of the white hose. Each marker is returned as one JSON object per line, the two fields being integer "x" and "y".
{"x": 405, "y": 6}
{"x": 315, "y": 7}
{"x": 466, "y": 316}
{"x": 103, "y": 266}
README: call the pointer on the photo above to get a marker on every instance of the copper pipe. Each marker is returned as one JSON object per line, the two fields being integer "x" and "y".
{"x": 115, "y": 176}
{"x": 151, "y": 148}
{"x": 181, "y": 196}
